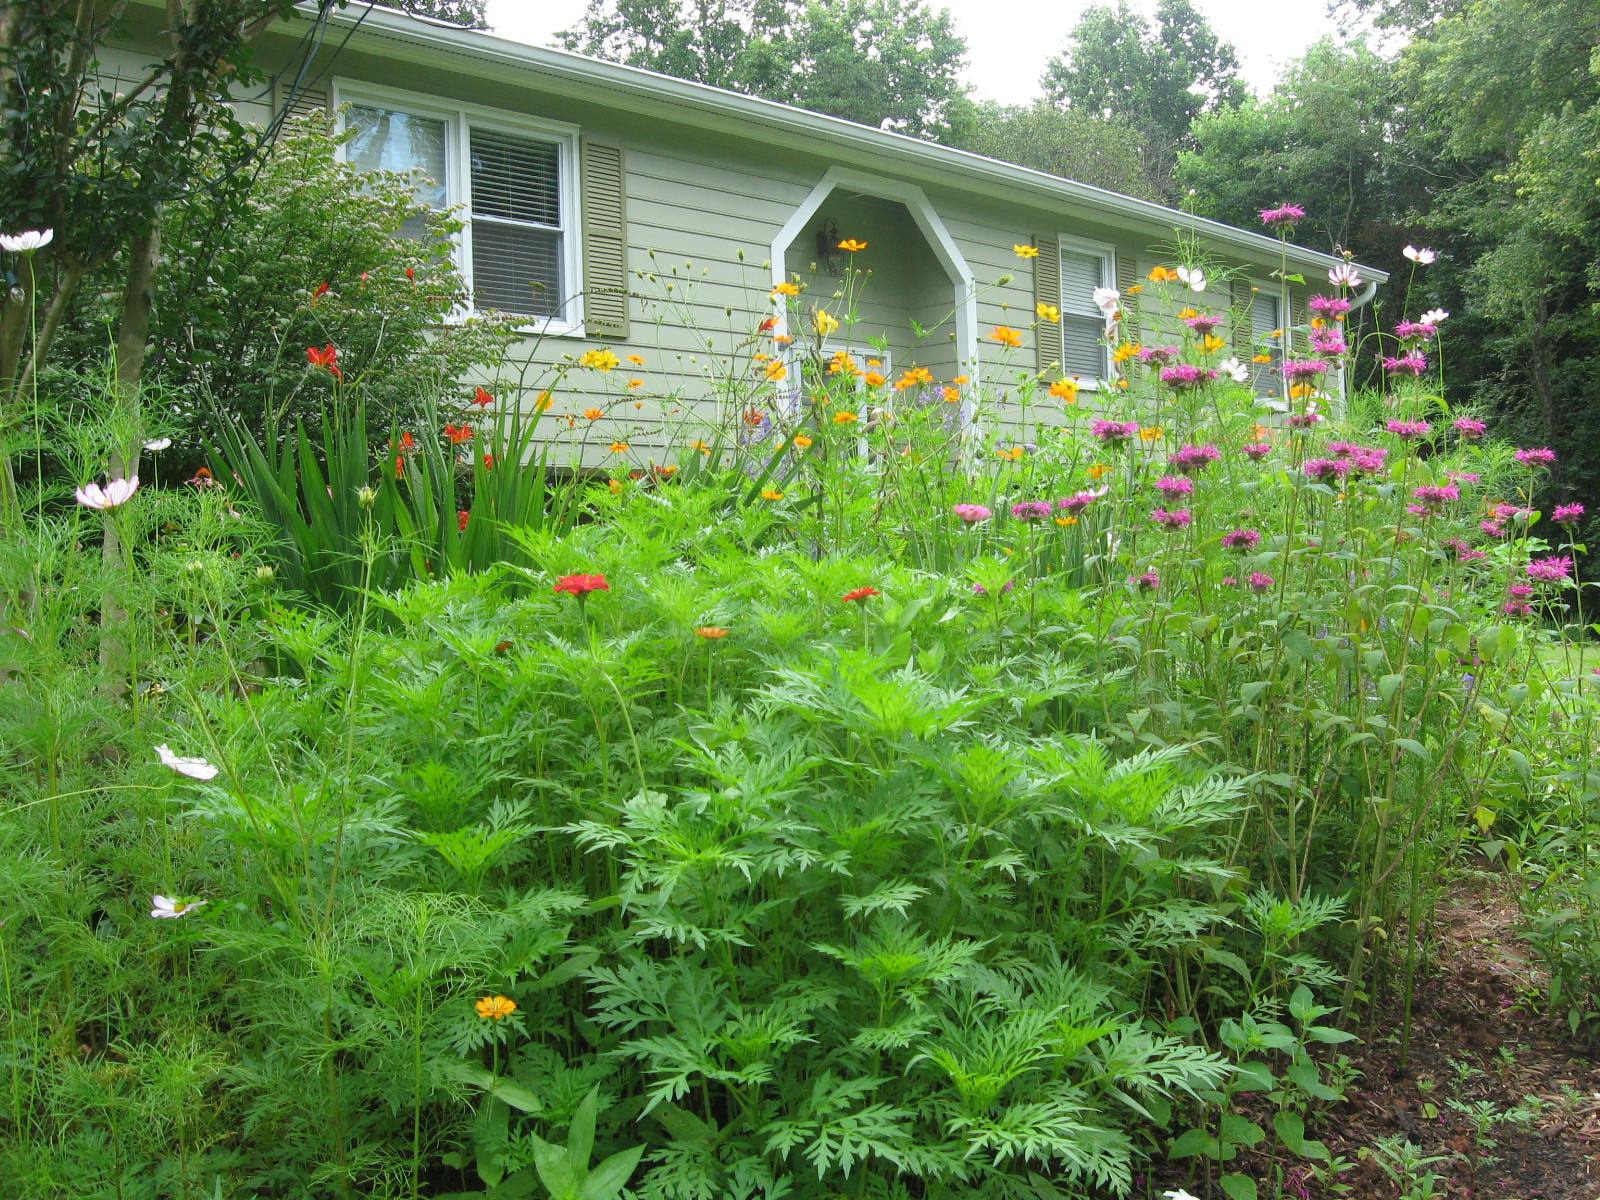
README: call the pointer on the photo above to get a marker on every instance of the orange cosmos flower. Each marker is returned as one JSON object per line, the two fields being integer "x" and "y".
{"x": 844, "y": 418}
{"x": 1096, "y": 470}
{"x": 636, "y": 359}
{"x": 1012, "y": 454}
{"x": 873, "y": 379}
{"x": 801, "y": 440}
{"x": 1006, "y": 336}
{"x": 961, "y": 380}
{"x": 952, "y": 395}
{"x": 776, "y": 371}
{"x": 495, "y": 1008}
{"x": 1163, "y": 275}
{"x": 1124, "y": 352}
{"x": 851, "y": 246}
{"x": 786, "y": 289}
{"x": 594, "y": 414}
{"x": 771, "y": 494}
{"x": 618, "y": 447}
{"x": 1065, "y": 389}
{"x": 711, "y": 633}
{"x": 1152, "y": 434}
{"x": 697, "y": 444}
{"x": 542, "y": 404}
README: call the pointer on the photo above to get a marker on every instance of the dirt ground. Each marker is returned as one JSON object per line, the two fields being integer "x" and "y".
{"x": 1531, "y": 1129}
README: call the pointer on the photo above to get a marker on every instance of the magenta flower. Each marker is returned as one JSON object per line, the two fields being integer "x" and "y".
{"x": 1173, "y": 486}
{"x": 1185, "y": 375}
{"x": 1329, "y": 341}
{"x": 1418, "y": 330}
{"x": 1517, "y": 608}
{"x": 972, "y": 513}
{"x": 1079, "y": 501}
{"x": 1032, "y": 510}
{"x": 1114, "y": 433}
{"x": 1305, "y": 420}
{"x": 1308, "y": 368}
{"x": 1542, "y": 457}
{"x": 1367, "y": 460}
{"x": 1256, "y": 451}
{"x": 1148, "y": 582}
{"x": 1467, "y": 427}
{"x": 1193, "y": 459}
{"x": 1567, "y": 514}
{"x": 1328, "y": 306}
{"x": 1241, "y": 540}
{"x": 1285, "y": 216}
{"x": 1203, "y": 324}
{"x": 1408, "y": 429}
{"x": 1180, "y": 519}
{"x": 1522, "y": 591}
{"x": 1158, "y": 356}
{"x": 1326, "y": 470}
{"x": 1493, "y": 528}
{"x": 1463, "y": 551}
{"x": 1554, "y": 569}
{"x": 1260, "y": 582}
{"x": 979, "y": 590}
{"x": 1433, "y": 498}
{"x": 1406, "y": 364}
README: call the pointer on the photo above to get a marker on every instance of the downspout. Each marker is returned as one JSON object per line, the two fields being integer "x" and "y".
{"x": 1356, "y": 302}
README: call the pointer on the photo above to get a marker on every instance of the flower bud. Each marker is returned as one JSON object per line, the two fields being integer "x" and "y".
{"x": 366, "y": 497}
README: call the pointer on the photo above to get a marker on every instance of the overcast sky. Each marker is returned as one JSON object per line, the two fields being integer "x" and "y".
{"x": 1009, "y": 40}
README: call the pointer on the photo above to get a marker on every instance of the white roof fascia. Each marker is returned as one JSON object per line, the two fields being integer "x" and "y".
{"x": 714, "y": 108}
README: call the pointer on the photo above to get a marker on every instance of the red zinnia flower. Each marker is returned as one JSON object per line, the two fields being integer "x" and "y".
{"x": 860, "y": 594}
{"x": 582, "y": 585}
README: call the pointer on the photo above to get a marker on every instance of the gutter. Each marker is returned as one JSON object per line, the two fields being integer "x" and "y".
{"x": 748, "y": 116}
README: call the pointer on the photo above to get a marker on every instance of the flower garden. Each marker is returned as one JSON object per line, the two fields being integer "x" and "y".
{"x": 894, "y": 788}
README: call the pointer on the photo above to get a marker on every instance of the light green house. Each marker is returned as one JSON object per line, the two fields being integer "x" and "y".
{"x": 618, "y": 208}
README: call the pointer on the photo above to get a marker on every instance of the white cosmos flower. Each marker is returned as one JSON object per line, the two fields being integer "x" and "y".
{"x": 1434, "y": 316}
{"x": 27, "y": 241}
{"x": 1180, "y": 1194}
{"x": 115, "y": 494}
{"x": 1108, "y": 301}
{"x": 158, "y": 444}
{"x": 1233, "y": 367}
{"x": 1344, "y": 275}
{"x": 1194, "y": 277}
{"x": 1424, "y": 257}
{"x": 194, "y": 768}
{"x": 173, "y": 906}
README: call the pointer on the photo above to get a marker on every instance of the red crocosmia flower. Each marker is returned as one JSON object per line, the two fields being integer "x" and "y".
{"x": 411, "y": 274}
{"x": 754, "y": 418}
{"x": 462, "y": 518}
{"x": 483, "y": 399}
{"x": 768, "y": 325}
{"x": 860, "y": 594}
{"x": 399, "y": 466}
{"x": 582, "y": 585}
{"x": 488, "y": 462}
{"x": 458, "y": 433}
{"x": 326, "y": 357}
{"x": 322, "y": 290}
{"x": 502, "y": 647}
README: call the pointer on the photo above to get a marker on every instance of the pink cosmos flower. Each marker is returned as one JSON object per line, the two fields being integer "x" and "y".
{"x": 972, "y": 513}
{"x": 115, "y": 494}
{"x": 1419, "y": 255}
{"x": 1542, "y": 457}
{"x": 194, "y": 768}
{"x": 1345, "y": 276}
{"x": 172, "y": 907}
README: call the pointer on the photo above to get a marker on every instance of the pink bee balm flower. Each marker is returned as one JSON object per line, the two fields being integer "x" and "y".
{"x": 1493, "y": 528}
{"x": 1367, "y": 460}
{"x": 1409, "y": 330}
{"x": 1285, "y": 216}
{"x": 1328, "y": 306}
{"x": 1032, "y": 510}
{"x": 1468, "y": 427}
{"x": 1193, "y": 459}
{"x": 1241, "y": 540}
{"x": 1553, "y": 569}
{"x": 1567, "y": 514}
{"x": 1114, "y": 432}
{"x": 1326, "y": 469}
{"x": 1305, "y": 420}
{"x": 1406, "y": 364}
{"x": 1181, "y": 519}
{"x": 1433, "y": 498}
{"x": 972, "y": 513}
{"x": 1148, "y": 582}
{"x": 1185, "y": 375}
{"x": 1542, "y": 457}
{"x": 115, "y": 494}
{"x": 1408, "y": 429}
{"x": 1329, "y": 341}
{"x": 1308, "y": 368}
{"x": 1173, "y": 486}
{"x": 1203, "y": 324}
{"x": 1463, "y": 551}
{"x": 1079, "y": 501}
{"x": 1260, "y": 582}
{"x": 1157, "y": 356}
{"x": 1517, "y": 608}
{"x": 1256, "y": 451}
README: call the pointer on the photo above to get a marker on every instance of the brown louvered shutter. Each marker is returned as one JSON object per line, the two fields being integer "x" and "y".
{"x": 1128, "y": 278}
{"x": 1243, "y": 329}
{"x": 605, "y": 241}
{"x": 297, "y": 103}
{"x": 1047, "y": 290}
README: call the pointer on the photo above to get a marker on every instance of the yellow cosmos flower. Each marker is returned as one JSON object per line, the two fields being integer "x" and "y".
{"x": 618, "y": 447}
{"x": 1153, "y": 433}
{"x": 952, "y": 395}
{"x": 495, "y": 1008}
{"x": 913, "y": 377}
{"x": 961, "y": 381}
{"x": 824, "y": 322}
{"x": 1026, "y": 251}
{"x": 697, "y": 444}
{"x": 1185, "y": 313}
{"x": 844, "y": 418}
{"x": 801, "y": 440}
{"x": 873, "y": 379}
{"x": 599, "y": 360}
{"x": 1211, "y": 343}
{"x": 841, "y": 362}
{"x": 771, "y": 494}
{"x": 776, "y": 371}
{"x": 1301, "y": 391}
{"x": 1097, "y": 470}
{"x": 636, "y": 359}
{"x": 636, "y": 383}
{"x": 1124, "y": 352}
{"x": 1047, "y": 312}
{"x": 1006, "y": 336}
{"x": 1065, "y": 389}
{"x": 1163, "y": 275}
{"x": 851, "y": 246}
{"x": 594, "y": 414}
{"x": 1012, "y": 454}
{"x": 786, "y": 289}
{"x": 542, "y": 404}
{"x": 1066, "y": 520}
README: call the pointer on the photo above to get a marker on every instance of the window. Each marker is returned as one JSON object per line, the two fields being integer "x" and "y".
{"x": 513, "y": 183}
{"x": 1084, "y": 353}
{"x": 1266, "y": 317}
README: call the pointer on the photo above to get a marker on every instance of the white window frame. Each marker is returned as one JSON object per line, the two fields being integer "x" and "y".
{"x": 458, "y": 120}
{"x": 1107, "y": 254}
